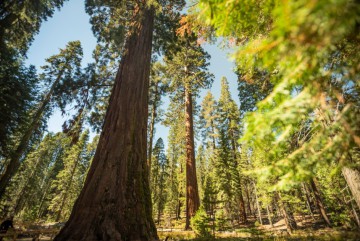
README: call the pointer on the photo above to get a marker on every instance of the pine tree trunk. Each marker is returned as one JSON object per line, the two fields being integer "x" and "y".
{"x": 42, "y": 200}
{"x": 15, "y": 156}
{"x": 115, "y": 203}
{"x": 308, "y": 203}
{"x": 178, "y": 210}
{"x": 192, "y": 193}
{"x": 352, "y": 177}
{"x": 242, "y": 208}
{"x": 258, "y": 205}
{"x": 25, "y": 189}
{"x": 269, "y": 216}
{"x": 287, "y": 215}
{"x": 248, "y": 197}
{"x": 158, "y": 216}
{"x": 213, "y": 135}
{"x": 67, "y": 189}
{"x": 319, "y": 202}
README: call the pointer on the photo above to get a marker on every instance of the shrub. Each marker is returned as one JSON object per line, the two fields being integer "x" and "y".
{"x": 200, "y": 223}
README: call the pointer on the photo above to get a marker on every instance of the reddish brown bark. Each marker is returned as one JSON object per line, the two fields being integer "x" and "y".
{"x": 192, "y": 193}
{"x": 115, "y": 203}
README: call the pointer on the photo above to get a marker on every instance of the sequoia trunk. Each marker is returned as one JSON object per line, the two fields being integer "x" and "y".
{"x": 115, "y": 203}
{"x": 192, "y": 193}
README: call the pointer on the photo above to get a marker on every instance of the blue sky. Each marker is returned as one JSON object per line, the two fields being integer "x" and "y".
{"x": 72, "y": 23}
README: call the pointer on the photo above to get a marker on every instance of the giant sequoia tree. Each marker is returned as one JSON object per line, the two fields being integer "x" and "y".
{"x": 188, "y": 71}
{"x": 115, "y": 201}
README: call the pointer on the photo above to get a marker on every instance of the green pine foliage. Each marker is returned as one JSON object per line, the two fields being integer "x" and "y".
{"x": 69, "y": 180}
{"x": 200, "y": 223}
{"x": 227, "y": 166}
{"x": 208, "y": 118}
{"x": 175, "y": 184}
{"x": 18, "y": 85}
{"x": 20, "y": 21}
{"x": 159, "y": 174}
{"x": 26, "y": 195}
{"x": 187, "y": 68}
{"x": 302, "y": 47}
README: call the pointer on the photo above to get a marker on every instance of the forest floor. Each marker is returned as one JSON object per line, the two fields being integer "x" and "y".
{"x": 308, "y": 229}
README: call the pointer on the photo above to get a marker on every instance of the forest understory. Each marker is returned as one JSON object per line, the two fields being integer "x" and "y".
{"x": 308, "y": 229}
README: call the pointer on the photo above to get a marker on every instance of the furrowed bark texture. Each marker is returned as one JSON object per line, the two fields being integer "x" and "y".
{"x": 192, "y": 193}
{"x": 115, "y": 203}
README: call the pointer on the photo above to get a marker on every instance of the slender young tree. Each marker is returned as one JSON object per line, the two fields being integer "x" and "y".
{"x": 159, "y": 175}
{"x": 19, "y": 22}
{"x": 176, "y": 154}
{"x": 229, "y": 124}
{"x": 288, "y": 216}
